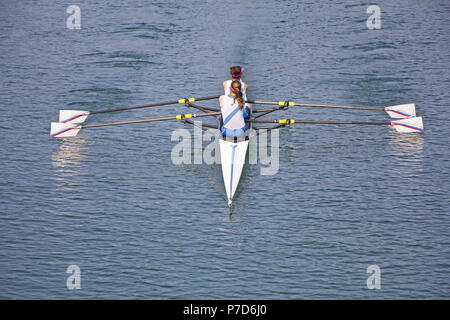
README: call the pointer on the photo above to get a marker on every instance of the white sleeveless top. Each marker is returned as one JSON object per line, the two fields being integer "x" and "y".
{"x": 244, "y": 95}
{"x": 229, "y": 106}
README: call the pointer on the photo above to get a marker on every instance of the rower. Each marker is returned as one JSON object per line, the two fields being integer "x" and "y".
{"x": 236, "y": 74}
{"x": 233, "y": 111}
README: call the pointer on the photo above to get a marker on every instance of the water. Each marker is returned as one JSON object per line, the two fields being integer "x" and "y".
{"x": 139, "y": 227}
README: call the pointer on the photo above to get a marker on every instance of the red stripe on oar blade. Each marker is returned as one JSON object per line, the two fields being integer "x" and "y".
{"x": 65, "y": 130}
{"x": 406, "y": 125}
{"x": 76, "y": 117}
{"x": 398, "y": 112}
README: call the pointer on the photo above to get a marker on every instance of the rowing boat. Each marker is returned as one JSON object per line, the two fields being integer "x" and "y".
{"x": 232, "y": 156}
{"x": 233, "y": 152}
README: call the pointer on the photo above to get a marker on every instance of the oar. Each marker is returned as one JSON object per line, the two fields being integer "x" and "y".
{"x": 79, "y": 116}
{"x": 63, "y": 130}
{"x": 399, "y": 111}
{"x": 413, "y": 124}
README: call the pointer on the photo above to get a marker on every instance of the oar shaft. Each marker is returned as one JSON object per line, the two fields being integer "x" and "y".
{"x": 315, "y": 105}
{"x": 323, "y": 122}
{"x": 126, "y": 122}
{"x": 152, "y": 105}
{"x": 150, "y": 120}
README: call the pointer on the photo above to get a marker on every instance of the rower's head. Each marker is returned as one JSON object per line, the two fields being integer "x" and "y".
{"x": 236, "y": 72}
{"x": 236, "y": 92}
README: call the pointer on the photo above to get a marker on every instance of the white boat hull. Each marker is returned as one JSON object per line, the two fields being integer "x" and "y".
{"x": 233, "y": 159}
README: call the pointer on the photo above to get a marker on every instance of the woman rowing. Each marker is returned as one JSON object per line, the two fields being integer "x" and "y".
{"x": 236, "y": 74}
{"x": 233, "y": 111}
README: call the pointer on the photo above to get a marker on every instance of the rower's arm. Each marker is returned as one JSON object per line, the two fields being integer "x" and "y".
{"x": 221, "y": 101}
{"x": 224, "y": 85}
{"x": 245, "y": 88}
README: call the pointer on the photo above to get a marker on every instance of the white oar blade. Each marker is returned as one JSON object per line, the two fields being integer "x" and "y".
{"x": 72, "y": 116}
{"x": 408, "y": 125}
{"x": 63, "y": 130}
{"x": 401, "y": 111}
